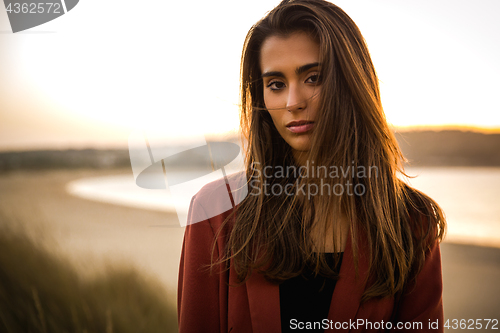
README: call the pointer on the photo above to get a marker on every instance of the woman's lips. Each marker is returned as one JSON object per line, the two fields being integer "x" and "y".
{"x": 302, "y": 128}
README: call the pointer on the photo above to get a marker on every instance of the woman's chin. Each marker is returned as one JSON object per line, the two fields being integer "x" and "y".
{"x": 300, "y": 146}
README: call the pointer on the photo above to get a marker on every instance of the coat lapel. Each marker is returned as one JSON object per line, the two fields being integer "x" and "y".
{"x": 264, "y": 303}
{"x": 264, "y": 298}
{"x": 349, "y": 288}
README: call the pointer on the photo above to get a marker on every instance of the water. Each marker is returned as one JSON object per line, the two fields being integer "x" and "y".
{"x": 470, "y": 198}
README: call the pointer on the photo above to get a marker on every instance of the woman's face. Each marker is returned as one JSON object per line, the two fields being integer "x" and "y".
{"x": 291, "y": 76}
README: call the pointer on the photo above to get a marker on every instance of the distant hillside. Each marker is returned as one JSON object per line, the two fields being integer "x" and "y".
{"x": 421, "y": 148}
{"x": 64, "y": 159}
{"x": 450, "y": 148}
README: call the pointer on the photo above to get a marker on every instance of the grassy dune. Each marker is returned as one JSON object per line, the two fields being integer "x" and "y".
{"x": 40, "y": 292}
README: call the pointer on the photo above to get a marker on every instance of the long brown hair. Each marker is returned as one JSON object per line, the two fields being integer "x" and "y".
{"x": 271, "y": 233}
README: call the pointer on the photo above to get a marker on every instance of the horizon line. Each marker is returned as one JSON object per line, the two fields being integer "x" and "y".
{"x": 228, "y": 135}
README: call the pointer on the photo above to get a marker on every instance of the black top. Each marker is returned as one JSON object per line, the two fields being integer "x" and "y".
{"x": 306, "y": 298}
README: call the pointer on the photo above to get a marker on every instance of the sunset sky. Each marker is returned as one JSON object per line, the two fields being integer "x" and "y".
{"x": 104, "y": 69}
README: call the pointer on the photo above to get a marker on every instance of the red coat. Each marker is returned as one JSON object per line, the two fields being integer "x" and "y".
{"x": 207, "y": 304}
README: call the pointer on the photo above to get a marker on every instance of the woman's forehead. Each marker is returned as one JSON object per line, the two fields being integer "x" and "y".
{"x": 298, "y": 48}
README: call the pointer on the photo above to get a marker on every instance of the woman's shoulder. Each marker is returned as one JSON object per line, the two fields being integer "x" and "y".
{"x": 215, "y": 201}
{"x": 425, "y": 217}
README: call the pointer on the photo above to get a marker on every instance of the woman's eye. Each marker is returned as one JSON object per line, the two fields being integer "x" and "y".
{"x": 276, "y": 85}
{"x": 315, "y": 79}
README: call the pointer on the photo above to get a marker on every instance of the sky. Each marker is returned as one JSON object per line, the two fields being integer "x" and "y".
{"x": 105, "y": 69}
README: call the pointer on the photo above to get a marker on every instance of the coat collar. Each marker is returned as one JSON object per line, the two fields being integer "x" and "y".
{"x": 264, "y": 300}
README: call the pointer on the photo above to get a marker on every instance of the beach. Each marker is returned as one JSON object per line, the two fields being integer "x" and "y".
{"x": 90, "y": 234}
{"x": 94, "y": 235}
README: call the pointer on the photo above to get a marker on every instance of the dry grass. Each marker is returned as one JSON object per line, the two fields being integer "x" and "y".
{"x": 40, "y": 292}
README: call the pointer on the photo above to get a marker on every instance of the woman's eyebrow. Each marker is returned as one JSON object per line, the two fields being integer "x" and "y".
{"x": 298, "y": 71}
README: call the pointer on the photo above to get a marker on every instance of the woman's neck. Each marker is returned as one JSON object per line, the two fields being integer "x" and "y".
{"x": 333, "y": 238}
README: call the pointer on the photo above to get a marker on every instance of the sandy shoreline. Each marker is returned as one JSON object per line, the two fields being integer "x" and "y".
{"x": 91, "y": 233}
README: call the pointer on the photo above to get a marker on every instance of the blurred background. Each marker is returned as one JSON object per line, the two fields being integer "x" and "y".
{"x": 74, "y": 89}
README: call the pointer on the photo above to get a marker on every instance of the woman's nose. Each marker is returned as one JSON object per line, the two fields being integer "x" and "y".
{"x": 296, "y": 100}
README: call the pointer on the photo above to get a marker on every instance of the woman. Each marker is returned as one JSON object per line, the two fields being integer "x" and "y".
{"x": 327, "y": 237}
